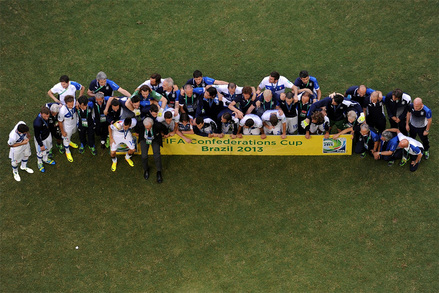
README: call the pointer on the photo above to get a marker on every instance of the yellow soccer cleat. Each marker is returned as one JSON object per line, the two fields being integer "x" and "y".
{"x": 113, "y": 166}
{"x": 73, "y": 145}
{"x": 69, "y": 157}
{"x": 130, "y": 162}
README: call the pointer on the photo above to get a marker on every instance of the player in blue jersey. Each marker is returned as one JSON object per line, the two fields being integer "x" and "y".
{"x": 211, "y": 104}
{"x": 19, "y": 149}
{"x": 199, "y": 80}
{"x": 43, "y": 138}
{"x": 388, "y": 149}
{"x": 227, "y": 123}
{"x": 307, "y": 83}
{"x": 106, "y": 86}
{"x": 358, "y": 93}
{"x": 419, "y": 123}
{"x": 266, "y": 101}
{"x": 277, "y": 84}
{"x": 244, "y": 103}
{"x": 64, "y": 88}
{"x": 397, "y": 103}
{"x": 412, "y": 149}
{"x": 205, "y": 127}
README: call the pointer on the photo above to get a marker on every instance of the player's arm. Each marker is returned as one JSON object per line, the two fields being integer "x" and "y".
{"x": 124, "y": 92}
{"x": 108, "y": 105}
{"x": 237, "y": 112}
{"x": 427, "y": 129}
{"x": 81, "y": 91}
{"x": 180, "y": 134}
{"x": 284, "y": 130}
{"x": 61, "y": 127}
{"x": 220, "y": 82}
{"x": 345, "y": 131}
{"x": 407, "y": 122}
{"x": 51, "y": 95}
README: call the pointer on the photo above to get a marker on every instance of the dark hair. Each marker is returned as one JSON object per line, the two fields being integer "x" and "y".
{"x": 199, "y": 120}
{"x": 397, "y": 93}
{"x": 338, "y": 98}
{"x": 273, "y": 119}
{"x": 45, "y": 110}
{"x": 212, "y": 91}
{"x": 184, "y": 117}
{"x": 22, "y": 128}
{"x": 227, "y": 116}
{"x": 168, "y": 115}
{"x": 249, "y": 122}
{"x": 154, "y": 108}
{"x": 318, "y": 117}
{"x": 64, "y": 78}
{"x": 69, "y": 99}
{"x": 135, "y": 99}
{"x": 197, "y": 73}
{"x": 247, "y": 90}
{"x": 83, "y": 100}
{"x": 275, "y": 74}
{"x": 157, "y": 77}
{"x": 289, "y": 95}
{"x": 231, "y": 85}
{"x": 115, "y": 102}
{"x": 144, "y": 88}
{"x": 303, "y": 74}
{"x": 127, "y": 122}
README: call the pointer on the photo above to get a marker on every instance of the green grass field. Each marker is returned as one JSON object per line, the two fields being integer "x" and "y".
{"x": 219, "y": 224}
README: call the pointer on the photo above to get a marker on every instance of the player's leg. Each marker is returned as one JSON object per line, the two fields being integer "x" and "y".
{"x": 24, "y": 160}
{"x": 157, "y": 160}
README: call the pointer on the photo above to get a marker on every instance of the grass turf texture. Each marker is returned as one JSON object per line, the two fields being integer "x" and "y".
{"x": 218, "y": 223}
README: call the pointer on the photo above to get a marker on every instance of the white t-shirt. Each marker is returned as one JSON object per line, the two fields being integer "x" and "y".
{"x": 278, "y": 87}
{"x": 68, "y": 116}
{"x": 155, "y": 87}
{"x": 62, "y": 92}
{"x": 256, "y": 119}
{"x": 266, "y": 116}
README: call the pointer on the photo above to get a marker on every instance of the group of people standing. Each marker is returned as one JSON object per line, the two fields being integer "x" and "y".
{"x": 158, "y": 108}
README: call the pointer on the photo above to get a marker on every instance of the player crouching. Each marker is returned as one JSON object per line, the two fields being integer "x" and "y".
{"x": 120, "y": 133}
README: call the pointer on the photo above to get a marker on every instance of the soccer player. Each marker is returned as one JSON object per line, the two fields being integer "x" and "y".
{"x": 229, "y": 92}
{"x": 289, "y": 106}
{"x": 106, "y": 86}
{"x": 368, "y": 141}
{"x": 205, "y": 127}
{"x": 352, "y": 125}
{"x": 64, "y": 88}
{"x": 68, "y": 120}
{"x": 411, "y": 147}
{"x": 266, "y": 101}
{"x": 275, "y": 123}
{"x": 172, "y": 96}
{"x": 243, "y": 103}
{"x": 155, "y": 82}
{"x": 319, "y": 124}
{"x": 227, "y": 124}
{"x": 375, "y": 116}
{"x": 19, "y": 149}
{"x": 397, "y": 103}
{"x": 150, "y": 134}
{"x": 251, "y": 124}
{"x": 388, "y": 149}
{"x": 307, "y": 83}
{"x": 211, "y": 105}
{"x": 419, "y": 123}
{"x": 277, "y": 84}
{"x": 100, "y": 120}
{"x": 86, "y": 125}
{"x": 188, "y": 100}
{"x": 43, "y": 138}
{"x": 120, "y": 134}
{"x": 54, "y": 127}
{"x": 199, "y": 80}
{"x": 147, "y": 98}
{"x": 358, "y": 94}
{"x": 303, "y": 107}
{"x": 170, "y": 122}
{"x": 184, "y": 125}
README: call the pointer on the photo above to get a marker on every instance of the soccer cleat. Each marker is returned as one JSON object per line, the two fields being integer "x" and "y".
{"x": 363, "y": 155}
{"x": 403, "y": 161}
{"x": 17, "y": 176}
{"x": 427, "y": 155}
{"x": 50, "y": 162}
{"x": 69, "y": 157}
{"x": 41, "y": 168}
{"x": 113, "y": 166}
{"x": 27, "y": 169}
{"x": 93, "y": 150}
{"x": 130, "y": 162}
{"x": 390, "y": 163}
{"x": 73, "y": 145}
{"x": 61, "y": 149}
{"x": 81, "y": 149}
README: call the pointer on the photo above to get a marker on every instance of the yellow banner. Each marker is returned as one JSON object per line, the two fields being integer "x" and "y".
{"x": 253, "y": 145}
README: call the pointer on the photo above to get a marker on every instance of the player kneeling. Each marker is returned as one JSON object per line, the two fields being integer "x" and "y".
{"x": 120, "y": 133}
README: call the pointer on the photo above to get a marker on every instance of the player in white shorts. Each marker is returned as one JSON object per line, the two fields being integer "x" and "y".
{"x": 275, "y": 123}
{"x": 68, "y": 124}
{"x": 19, "y": 148}
{"x": 120, "y": 134}
{"x": 250, "y": 124}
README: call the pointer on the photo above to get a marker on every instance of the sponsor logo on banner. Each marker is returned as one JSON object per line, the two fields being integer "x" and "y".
{"x": 331, "y": 146}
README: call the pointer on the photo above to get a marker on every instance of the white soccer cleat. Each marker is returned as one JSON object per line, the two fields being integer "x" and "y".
{"x": 27, "y": 169}
{"x": 17, "y": 177}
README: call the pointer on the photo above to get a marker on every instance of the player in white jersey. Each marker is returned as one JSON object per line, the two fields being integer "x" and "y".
{"x": 19, "y": 148}
{"x": 68, "y": 122}
{"x": 120, "y": 134}
{"x": 250, "y": 124}
{"x": 155, "y": 82}
{"x": 65, "y": 88}
{"x": 275, "y": 123}
{"x": 276, "y": 84}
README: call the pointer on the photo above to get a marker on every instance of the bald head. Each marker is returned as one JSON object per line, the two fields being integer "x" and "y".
{"x": 417, "y": 104}
{"x": 362, "y": 90}
{"x": 403, "y": 143}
